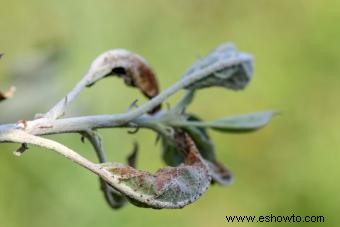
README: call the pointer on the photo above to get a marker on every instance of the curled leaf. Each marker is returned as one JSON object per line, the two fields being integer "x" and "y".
{"x": 113, "y": 197}
{"x": 219, "y": 173}
{"x": 234, "y": 69}
{"x": 21, "y": 149}
{"x": 132, "y": 157}
{"x": 170, "y": 187}
{"x": 134, "y": 70}
{"x": 173, "y": 157}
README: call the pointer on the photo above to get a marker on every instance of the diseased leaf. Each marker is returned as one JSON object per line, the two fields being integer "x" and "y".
{"x": 169, "y": 187}
{"x": 173, "y": 157}
{"x": 202, "y": 140}
{"x": 219, "y": 173}
{"x": 234, "y": 69}
{"x": 134, "y": 70}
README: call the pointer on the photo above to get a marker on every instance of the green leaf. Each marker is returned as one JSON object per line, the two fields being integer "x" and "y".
{"x": 170, "y": 187}
{"x": 234, "y": 69}
{"x": 240, "y": 123}
{"x": 170, "y": 153}
{"x": 184, "y": 102}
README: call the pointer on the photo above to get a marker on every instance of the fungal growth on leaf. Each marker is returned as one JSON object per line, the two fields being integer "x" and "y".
{"x": 170, "y": 187}
{"x": 186, "y": 147}
{"x": 132, "y": 68}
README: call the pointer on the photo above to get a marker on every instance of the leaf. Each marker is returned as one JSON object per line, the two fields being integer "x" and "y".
{"x": 234, "y": 69}
{"x": 170, "y": 187}
{"x": 113, "y": 197}
{"x": 219, "y": 173}
{"x": 170, "y": 153}
{"x": 8, "y": 94}
{"x": 242, "y": 123}
{"x": 132, "y": 68}
{"x": 202, "y": 140}
{"x": 173, "y": 157}
{"x": 132, "y": 157}
{"x": 184, "y": 102}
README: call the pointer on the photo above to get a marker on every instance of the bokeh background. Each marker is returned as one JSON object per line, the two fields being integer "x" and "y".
{"x": 289, "y": 167}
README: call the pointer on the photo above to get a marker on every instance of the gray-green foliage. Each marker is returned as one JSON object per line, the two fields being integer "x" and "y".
{"x": 235, "y": 71}
{"x": 192, "y": 168}
{"x": 186, "y": 145}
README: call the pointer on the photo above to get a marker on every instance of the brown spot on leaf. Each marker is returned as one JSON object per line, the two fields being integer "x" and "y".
{"x": 132, "y": 68}
{"x": 139, "y": 74}
{"x": 171, "y": 187}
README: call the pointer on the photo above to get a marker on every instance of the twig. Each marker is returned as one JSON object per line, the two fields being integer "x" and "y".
{"x": 50, "y": 123}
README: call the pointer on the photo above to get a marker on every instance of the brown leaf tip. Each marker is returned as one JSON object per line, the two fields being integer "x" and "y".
{"x": 132, "y": 68}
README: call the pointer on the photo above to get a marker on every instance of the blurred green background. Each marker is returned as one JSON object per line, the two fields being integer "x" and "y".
{"x": 289, "y": 167}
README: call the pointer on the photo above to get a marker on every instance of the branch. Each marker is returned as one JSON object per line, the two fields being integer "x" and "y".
{"x": 46, "y": 126}
{"x": 19, "y": 136}
{"x": 170, "y": 187}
